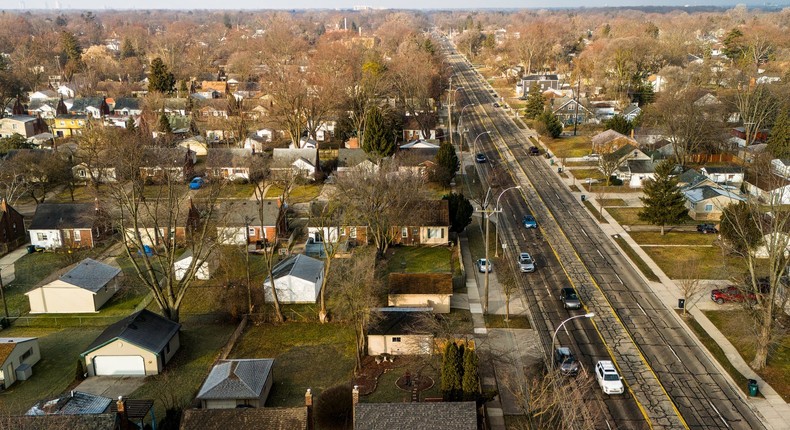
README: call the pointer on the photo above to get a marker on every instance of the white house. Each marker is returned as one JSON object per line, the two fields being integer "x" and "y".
{"x": 17, "y": 357}
{"x": 298, "y": 279}
{"x": 83, "y": 289}
{"x": 781, "y": 167}
{"x": 419, "y": 144}
{"x": 725, "y": 175}
{"x": 181, "y": 267}
{"x": 398, "y": 332}
{"x": 302, "y": 162}
{"x": 773, "y": 241}
{"x": 304, "y": 143}
{"x": 636, "y": 172}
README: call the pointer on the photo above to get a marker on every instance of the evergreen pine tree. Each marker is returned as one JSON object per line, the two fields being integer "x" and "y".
{"x": 127, "y": 50}
{"x": 550, "y": 124}
{"x": 779, "y": 141}
{"x": 470, "y": 382}
{"x": 535, "y": 102}
{"x": 663, "y": 202}
{"x": 446, "y": 164}
{"x": 461, "y": 211}
{"x": 450, "y": 376}
{"x": 130, "y": 125}
{"x": 164, "y": 124}
{"x": 377, "y": 138}
{"x": 160, "y": 79}
{"x": 619, "y": 124}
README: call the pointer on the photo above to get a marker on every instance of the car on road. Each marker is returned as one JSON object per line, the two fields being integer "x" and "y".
{"x": 707, "y": 228}
{"x": 484, "y": 266}
{"x": 481, "y": 158}
{"x": 731, "y": 294}
{"x": 529, "y": 221}
{"x": 608, "y": 378}
{"x": 565, "y": 362}
{"x": 533, "y": 150}
{"x": 196, "y": 183}
{"x": 525, "y": 262}
{"x": 569, "y": 298}
{"x": 495, "y": 104}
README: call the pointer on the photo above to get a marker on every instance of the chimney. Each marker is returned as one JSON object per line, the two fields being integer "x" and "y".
{"x": 354, "y": 401}
{"x": 122, "y": 416}
{"x": 96, "y": 204}
{"x": 632, "y": 133}
{"x": 308, "y": 402}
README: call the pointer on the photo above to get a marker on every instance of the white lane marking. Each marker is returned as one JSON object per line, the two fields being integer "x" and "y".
{"x": 719, "y": 414}
{"x": 597, "y": 250}
{"x": 585, "y": 233}
{"x": 673, "y": 352}
{"x": 607, "y": 425}
{"x": 618, "y": 278}
{"x": 642, "y": 309}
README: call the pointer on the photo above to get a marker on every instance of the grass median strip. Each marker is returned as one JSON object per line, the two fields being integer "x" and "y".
{"x": 594, "y": 210}
{"x": 643, "y": 267}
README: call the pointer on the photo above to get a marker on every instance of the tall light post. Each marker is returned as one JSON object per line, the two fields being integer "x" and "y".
{"x": 554, "y": 336}
{"x": 450, "y": 108}
{"x": 497, "y": 210}
{"x": 487, "y": 212}
{"x": 460, "y": 122}
{"x": 475, "y": 141}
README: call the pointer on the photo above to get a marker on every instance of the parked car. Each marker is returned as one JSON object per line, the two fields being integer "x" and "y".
{"x": 529, "y": 221}
{"x": 482, "y": 267}
{"x": 196, "y": 183}
{"x": 565, "y": 362}
{"x": 525, "y": 262}
{"x": 608, "y": 378}
{"x": 533, "y": 150}
{"x": 731, "y": 294}
{"x": 569, "y": 298}
{"x": 480, "y": 158}
{"x": 707, "y": 228}
{"x": 496, "y": 105}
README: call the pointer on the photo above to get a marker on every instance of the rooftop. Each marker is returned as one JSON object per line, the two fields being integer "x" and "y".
{"x": 236, "y": 379}
{"x": 416, "y": 416}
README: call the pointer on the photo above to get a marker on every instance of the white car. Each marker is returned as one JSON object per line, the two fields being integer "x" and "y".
{"x": 608, "y": 378}
{"x": 525, "y": 262}
{"x": 482, "y": 267}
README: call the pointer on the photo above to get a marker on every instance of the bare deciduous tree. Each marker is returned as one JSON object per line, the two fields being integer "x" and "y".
{"x": 327, "y": 218}
{"x": 689, "y": 283}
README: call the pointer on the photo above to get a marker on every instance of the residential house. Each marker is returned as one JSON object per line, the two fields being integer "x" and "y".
{"x": 429, "y": 224}
{"x": 424, "y": 290}
{"x": 658, "y": 82}
{"x": 325, "y": 131}
{"x": 241, "y": 383}
{"x": 299, "y": 162}
{"x": 138, "y": 345}
{"x": 636, "y": 172}
{"x": 354, "y": 160}
{"x": 241, "y": 221}
{"x": 416, "y": 416}
{"x": 419, "y": 144}
{"x": 71, "y": 422}
{"x": 305, "y": 142}
{"x": 18, "y": 355}
{"x": 127, "y": 106}
{"x": 67, "y": 125}
{"x": 83, "y": 289}
{"x": 187, "y": 218}
{"x": 691, "y": 178}
{"x": 772, "y": 243}
{"x": 93, "y": 166}
{"x": 566, "y": 109}
{"x": 412, "y": 129}
{"x": 609, "y": 141}
{"x": 419, "y": 161}
{"x": 24, "y": 125}
{"x": 604, "y": 110}
{"x": 298, "y": 279}
{"x": 203, "y": 271}
{"x": 247, "y": 418}
{"x": 706, "y": 202}
{"x": 177, "y": 164}
{"x": 209, "y": 112}
{"x": 631, "y": 112}
{"x": 781, "y": 167}
{"x": 12, "y": 228}
{"x": 65, "y": 225}
{"x": 42, "y": 95}
{"x": 399, "y": 331}
{"x": 768, "y": 187}
{"x": 752, "y": 153}
{"x": 259, "y": 141}
{"x": 544, "y": 82}
{"x": 93, "y": 107}
{"x": 230, "y": 164}
{"x": 758, "y": 136}
{"x": 73, "y": 403}
{"x": 724, "y": 175}
{"x": 46, "y": 109}
{"x": 196, "y": 144}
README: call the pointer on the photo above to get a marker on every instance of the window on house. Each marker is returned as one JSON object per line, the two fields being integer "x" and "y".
{"x": 404, "y": 232}
{"x": 352, "y": 233}
{"x": 81, "y": 173}
{"x": 77, "y": 236}
{"x": 41, "y": 236}
{"x": 27, "y": 354}
{"x": 708, "y": 208}
{"x": 396, "y": 339}
{"x": 251, "y": 231}
{"x": 63, "y": 123}
{"x": 435, "y": 233}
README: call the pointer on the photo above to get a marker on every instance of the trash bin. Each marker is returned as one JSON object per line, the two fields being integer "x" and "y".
{"x": 584, "y": 197}
{"x": 753, "y": 390}
{"x": 559, "y": 169}
{"x": 31, "y": 249}
{"x": 681, "y": 303}
{"x": 551, "y": 162}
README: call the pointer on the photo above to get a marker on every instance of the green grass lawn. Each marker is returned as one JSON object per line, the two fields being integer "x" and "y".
{"x": 613, "y": 202}
{"x": 419, "y": 259}
{"x": 576, "y": 146}
{"x": 230, "y": 191}
{"x": 179, "y": 383}
{"x": 626, "y": 216}
{"x": 594, "y": 209}
{"x": 498, "y": 321}
{"x": 582, "y": 174}
{"x": 643, "y": 267}
{"x": 82, "y": 194}
{"x": 300, "y": 193}
{"x": 306, "y": 355}
{"x": 712, "y": 265}
{"x": 388, "y": 392}
{"x": 672, "y": 238}
{"x": 56, "y": 370}
{"x": 738, "y": 327}
{"x": 29, "y": 271}
{"x": 476, "y": 236}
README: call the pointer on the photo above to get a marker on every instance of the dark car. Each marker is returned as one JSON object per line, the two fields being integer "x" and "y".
{"x": 529, "y": 221}
{"x": 496, "y": 105}
{"x": 565, "y": 362}
{"x": 569, "y": 298}
{"x": 707, "y": 228}
{"x": 731, "y": 294}
{"x": 533, "y": 150}
{"x": 481, "y": 158}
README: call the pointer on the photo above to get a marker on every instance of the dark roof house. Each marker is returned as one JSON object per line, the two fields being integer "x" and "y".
{"x": 416, "y": 416}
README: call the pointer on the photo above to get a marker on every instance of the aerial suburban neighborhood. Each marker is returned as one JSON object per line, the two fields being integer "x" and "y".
{"x": 367, "y": 218}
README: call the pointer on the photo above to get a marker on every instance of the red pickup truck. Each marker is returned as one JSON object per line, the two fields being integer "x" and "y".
{"x": 731, "y": 294}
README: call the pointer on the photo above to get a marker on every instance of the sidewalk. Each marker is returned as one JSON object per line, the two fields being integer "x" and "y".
{"x": 773, "y": 410}
{"x": 504, "y": 353}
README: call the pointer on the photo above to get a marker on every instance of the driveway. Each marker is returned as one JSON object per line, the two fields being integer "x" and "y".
{"x": 111, "y": 386}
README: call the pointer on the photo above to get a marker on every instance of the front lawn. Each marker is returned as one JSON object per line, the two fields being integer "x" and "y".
{"x": 515, "y": 321}
{"x": 613, "y": 202}
{"x": 82, "y": 194}
{"x": 712, "y": 265}
{"x": 178, "y": 385}
{"x": 640, "y": 263}
{"x": 60, "y": 349}
{"x": 306, "y": 355}
{"x": 583, "y": 174}
{"x": 738, "y": 327}
{"x": 300, "y": 193}
{"x": 626, "y": 216}
{"x": 230, "y": 190}
{"x": 569, "y": 147}
{"x": 672, "y": 238}
{"x": 419, "y": 259}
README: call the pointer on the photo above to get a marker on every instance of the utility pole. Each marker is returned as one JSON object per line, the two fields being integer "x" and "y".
{"x": 5, "y": 304}
{"x": 450, "y": 109}
{"x": 576, "y": 106}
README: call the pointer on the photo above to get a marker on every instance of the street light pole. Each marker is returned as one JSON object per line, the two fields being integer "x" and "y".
{"x": 487, "y": 213}
{"x": 554, "y": 336}
{"x": 5, "y": 304}
{"x": 497, "y": 211}
{"x": 475, "y": 141}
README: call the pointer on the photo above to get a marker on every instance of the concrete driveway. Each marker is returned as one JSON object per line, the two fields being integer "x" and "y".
{"x": 111, "y": 386}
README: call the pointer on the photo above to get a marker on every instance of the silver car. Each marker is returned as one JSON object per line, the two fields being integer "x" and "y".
{"x": 525, "y": 262}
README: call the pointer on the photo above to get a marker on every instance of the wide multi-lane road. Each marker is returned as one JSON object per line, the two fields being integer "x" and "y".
{"x": 671, "y": 381}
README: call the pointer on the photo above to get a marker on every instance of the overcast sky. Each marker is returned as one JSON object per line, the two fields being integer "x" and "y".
{"x": 346, "y": 4}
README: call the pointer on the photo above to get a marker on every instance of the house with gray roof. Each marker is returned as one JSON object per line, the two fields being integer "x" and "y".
{"x": 400, "y": 331}
{"x": 416, "y": 416}
{"x": 300, "y": 162}
{"x": 250, "y": 222}
{"x": 246, "y": 418}
{"x": 229, "y": 164}
{"x": 298, "y": 279}
{"x": 138, "y": 345}
{"x": 724, "y": 175}
{"x": 85, "y": 288}
{"x": 707, "y": 202}
{"x": 65, "y": 225}
{"x": 234, "y": 383}
{"x": 636, "y": 172}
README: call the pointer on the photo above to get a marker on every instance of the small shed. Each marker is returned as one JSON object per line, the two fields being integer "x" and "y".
{"x": 203, "y": 273}
{"x": 84, "y": 288}
{"x": 237, "y": 383}
{"x": 17, "y": 357}
{"x": 298, "y": 279}
{"x": 398, "y": 332}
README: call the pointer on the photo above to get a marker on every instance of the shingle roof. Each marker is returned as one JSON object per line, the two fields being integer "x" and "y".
{"x": 723, "y": 169}
{"x": 228, "y": 157}
{"x": 350, "y": 157}
{"x": 620, "y": 153}
{"x": 299, "y": 266}
{"x": 282, "y": 156}
{"x": 245, "y": 418}
{"x": 416, "y": 416}
{"x": 706, "y": 192}
{"x": 91, "y": 275}
{"x": 63, "y": 215}
{"x": 431, "y": 213}
{"x": 144, "y": 329}
{"x": 7, "y": 344}
{"x": 236, "y": 379}
{"x": 130, "y": 103}
{"x": 174, "y": 157}
{"x": 420, "y": 283}
{"x": 237, "y": 213}
{"x": 399, "y": 321}
{"x": 606, "y": 136}
{"x": 71, "y": 422}
{"x": 642, "y": 166}
{"x": 72, "y": 403}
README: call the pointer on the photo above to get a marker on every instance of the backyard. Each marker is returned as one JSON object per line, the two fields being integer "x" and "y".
{"x": 420, "y": 259}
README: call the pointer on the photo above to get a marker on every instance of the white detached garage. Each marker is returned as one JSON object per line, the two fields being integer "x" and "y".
{"x": 297, "y": 278}
{"x": 84, "y": 288}
{"x": 138, "y": 345}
